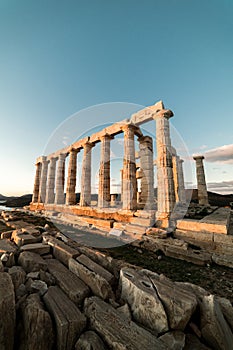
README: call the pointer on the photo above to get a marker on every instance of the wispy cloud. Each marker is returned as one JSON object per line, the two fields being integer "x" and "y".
{"x": 223, "y": 155}
{"x": 223, "y": 187}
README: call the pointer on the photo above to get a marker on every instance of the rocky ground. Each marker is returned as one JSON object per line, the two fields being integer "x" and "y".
{"x": 56, "y": 293}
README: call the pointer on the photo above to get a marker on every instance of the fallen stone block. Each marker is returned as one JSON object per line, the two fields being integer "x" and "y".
{"x": 93, "y": 266}
{"x": 115, "y": 232}
{"x": 36, "y": 286}
{"x": 1, "y": 266}
{"x": 70, "y": 283}
{"x": 7, "y": 247}
{"x": 146, "y": 307}
{"x": 95, "y": 282}
{"x": 193, "y": 343}
{"x": 6, "y": 234}
{"x": 38, "y": 248}
{"x": 227, "y": 310}
{"x": 214, "y": 327}
{"x": 37, "y": 330}
{"x": 69, "y": 321}
{"x": 62, "y": 251}
{"x": 115, "y": 330}
{"x": 88, "y": 341}
{"x": 179, "y": 304}
{"x": 174, "y": 340}
{"x": 223, "y": 260}
{"x": 21, "y": 239}
{"x": 99, "y": 257}
{"x": 32, "y": 262}
{"x": 7, "y": 312}
{"x": 18, "y": 275}
{"x": 194, "y": 256}
{"x": 32, "y": 231}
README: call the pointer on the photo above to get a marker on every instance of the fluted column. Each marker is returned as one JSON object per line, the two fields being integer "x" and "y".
{"x": 166, "y": 193}
{"x": 71, "y": 179}
{"x": 43, "y": 180}
{"x": 147, "y": 171}
{"x": 60, "y": 196}
{"x": 35, "y": 197}
{"x": 181, "y": 181}
{"x": 201, "y": 182}
{"x": 50, "y": 195}
{"x": 175, "y": 175}
{"x": 85, "y": 198}
{"x": 121, "y": 170}
{"x": 129, "y": 169}
{"x": 104, "y": 172}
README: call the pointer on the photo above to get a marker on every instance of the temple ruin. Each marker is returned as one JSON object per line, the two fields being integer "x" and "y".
{"x": 49, "y": 192}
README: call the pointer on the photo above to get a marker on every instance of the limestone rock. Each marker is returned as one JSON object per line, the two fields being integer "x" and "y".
{"x": 97, "y": 283}
{"x": 7, "y": 312}
{"x": 227, "y": 310}
{"x": 116, "y": 331}
{"x": 38, "y": 248}
{"x": 62, "y": 251}
{"x": 32, "y": 262}
{"x": 7, "y": 247}
{"x": 47, "y": 278}
{"x": 178, "y": 303}
{"x": 142, "y": 297}
{"x": 214, "y": 328}
{"x": 1, "y": 266}
{"x": 193, "y": 343}
{"x": 69, "y": 321}
{"x": 174, "y": 340}
{"x": 93, "y": 266}
{"x": 18, "y": 275}
{"x": 71, "y": 284}
{"x": 36, "y": 286}
{"x": 38, "y": 331}
{"x": 90, "y": 341}
{"x": 125, "y": 311}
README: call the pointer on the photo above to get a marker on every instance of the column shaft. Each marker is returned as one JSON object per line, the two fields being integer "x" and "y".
{"x": 35, "y": 197}
{"x": 129, "y": 170}
{"x": 60, "y": 196}
{"x": 147, "y": 172}
{"x": 165, "y": 181}
{"x": 181, "y": 181}
{"x": 85, "y": 198}
{"x": 201, "y": 182}
{"x": 43, "y": 180}
{"x": 104, "y": 173}
{"x": 50, "y": 195}
{"x": 71, "y": 179}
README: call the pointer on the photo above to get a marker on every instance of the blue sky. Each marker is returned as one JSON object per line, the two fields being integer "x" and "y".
{"x": 58, "y": 57}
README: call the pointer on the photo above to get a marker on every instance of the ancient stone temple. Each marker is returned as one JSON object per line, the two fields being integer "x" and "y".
{"x": 49, "y": 188}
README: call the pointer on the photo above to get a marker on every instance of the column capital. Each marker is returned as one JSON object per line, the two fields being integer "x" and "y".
{"x": 62, "y": 156}
{"x": 106, "y": 137}
{"x": 44, "y": 159}
{"x": 145, "y": 139}
{"x": 198, "y": 157}
{"x": 87, "y": 145}
{"x": 163, "y": 113}
{"x": 73, "y": 150}
{"x": 181, "y": 160}
{"x": 129, "y": 128}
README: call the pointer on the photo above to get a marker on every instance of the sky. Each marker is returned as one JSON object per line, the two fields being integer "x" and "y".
{"x": 60, "y": 57}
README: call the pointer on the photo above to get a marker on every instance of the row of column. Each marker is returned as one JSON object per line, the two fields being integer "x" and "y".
{"x": 50, "y": 174}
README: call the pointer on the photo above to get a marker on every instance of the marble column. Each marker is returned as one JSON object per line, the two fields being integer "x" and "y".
{"x": 181, "y": 181}
{"x": 43, "y": 179}
{"x": 121, "y": 171}
{"x": 50, "y": 195}
{"x": 104, "y": 172}
{"x": 129, "y": 169}
{"x": 85, "y": 198}
{"x": 60, "y": 196}
{"x": 165, "y": 181}
{"x": 35, "y": 197}
{"x": 175, "y": 175}
{"x": 71, "y": 178}
{"x": 147, "y": 172}
{"x": 201, "y": 182}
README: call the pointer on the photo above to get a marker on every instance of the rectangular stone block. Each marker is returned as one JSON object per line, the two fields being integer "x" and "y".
{"x": 71, "y": 284}
{"x": 95, "y": 282}
{"x": 117, "y": 331}
{"x": 69, "y": 320}
{"x": 198, "y": 226}
{"x": 38, "y": 248}
{"x": 93, "y": 266}
{"x": 62, "y": 251}
{"x": 6, "y": 234}
{"x": 6, "y": 246}
{"x": 7, "y": 312}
